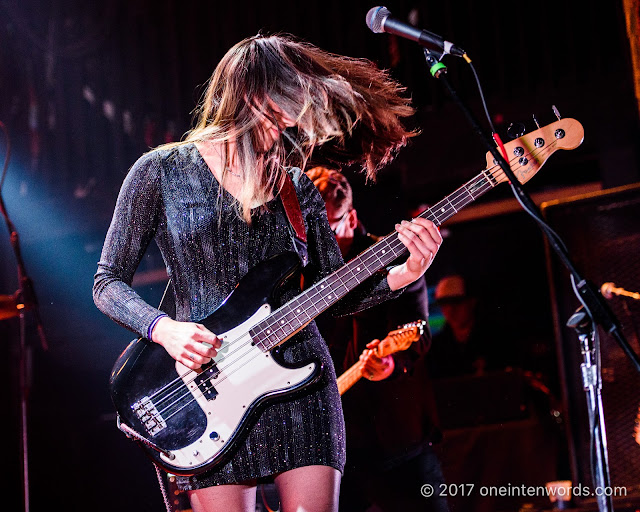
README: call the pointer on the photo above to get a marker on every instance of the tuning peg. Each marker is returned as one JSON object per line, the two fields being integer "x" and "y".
{"x": 556, "y": 112}
{"x": 536, "y": 121}
{"x": 516, "y": 130}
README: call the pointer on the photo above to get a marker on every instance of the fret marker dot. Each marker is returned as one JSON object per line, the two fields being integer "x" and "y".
{"x": 358, "y": 269}
{"x": 442, "y": 210}
{"x": 281, "y": 321}
{"x": 298, "y": 310}
{"x": 268, "y": 331}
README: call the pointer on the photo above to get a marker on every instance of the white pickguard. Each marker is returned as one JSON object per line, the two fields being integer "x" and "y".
{"x": 246, "y": 373}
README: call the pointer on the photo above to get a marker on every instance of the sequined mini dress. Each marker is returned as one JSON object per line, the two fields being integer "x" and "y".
{"x": 171, "y": 196}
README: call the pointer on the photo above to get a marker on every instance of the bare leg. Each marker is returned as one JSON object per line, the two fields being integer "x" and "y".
{"x": 225, "y": 498}
{"x": 309, "y": 489}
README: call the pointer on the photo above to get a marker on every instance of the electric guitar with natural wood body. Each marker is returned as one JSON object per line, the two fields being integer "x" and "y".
{"x": 396, "y": 341}
{"x": 188, "y": 421}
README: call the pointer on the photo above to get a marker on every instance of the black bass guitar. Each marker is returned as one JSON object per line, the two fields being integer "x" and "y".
{"x": 188, "y": 421}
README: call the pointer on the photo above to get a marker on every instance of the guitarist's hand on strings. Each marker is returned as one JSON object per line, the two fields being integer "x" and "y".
{"x": 422, "y": 238}
{"x": 188, "y": 343}
{"x": 375, "y": 367}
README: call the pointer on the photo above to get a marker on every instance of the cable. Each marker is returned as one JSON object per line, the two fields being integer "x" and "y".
{"x": 496, "y": 137}
{"x": 594, "y": 416}
{"x": 7, "y": 158}
{"x": 484, "y": 103}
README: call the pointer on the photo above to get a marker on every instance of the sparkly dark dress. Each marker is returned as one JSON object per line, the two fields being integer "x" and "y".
{"x": 171, "y": 195}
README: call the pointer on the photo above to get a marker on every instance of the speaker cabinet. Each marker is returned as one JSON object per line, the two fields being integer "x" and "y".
{"x": 602, "y": 234}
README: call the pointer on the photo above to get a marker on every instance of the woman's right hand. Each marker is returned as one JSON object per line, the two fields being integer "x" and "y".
{"x": 188, "y": 343}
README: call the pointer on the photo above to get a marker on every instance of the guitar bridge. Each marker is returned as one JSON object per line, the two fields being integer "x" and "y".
{"x": 149, "y": 415}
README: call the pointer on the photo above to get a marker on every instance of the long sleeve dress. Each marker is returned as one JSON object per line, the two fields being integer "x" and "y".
{"x": 172, "y": 196}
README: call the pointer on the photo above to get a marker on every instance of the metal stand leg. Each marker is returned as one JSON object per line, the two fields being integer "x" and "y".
{"x": 592, "y": 384}
{"x": 24, "y": 394}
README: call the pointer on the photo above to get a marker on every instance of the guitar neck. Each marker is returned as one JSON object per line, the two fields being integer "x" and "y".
{"x": 294, "y": 315}
{"x": 531, "y": 152}
{"x": 349, "y": 378}
{"x": 454, "y": 202}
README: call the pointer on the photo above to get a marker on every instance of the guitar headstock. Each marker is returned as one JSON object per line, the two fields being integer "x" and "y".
{"x": 401, "y": 338}
{"x": 527, "y": 154}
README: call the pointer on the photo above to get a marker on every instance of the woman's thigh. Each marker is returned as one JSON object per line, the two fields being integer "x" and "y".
{"x": 309, "y": 488}
{"x": 225, "y": 498}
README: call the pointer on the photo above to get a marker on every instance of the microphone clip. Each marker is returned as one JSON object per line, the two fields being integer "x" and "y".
{"x": 434, "y": 61}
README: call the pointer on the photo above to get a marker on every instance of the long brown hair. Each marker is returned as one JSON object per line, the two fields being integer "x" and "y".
{"x": 345, "y": 109}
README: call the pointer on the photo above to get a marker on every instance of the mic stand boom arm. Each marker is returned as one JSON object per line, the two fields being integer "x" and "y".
{"x": 594, "y": 302}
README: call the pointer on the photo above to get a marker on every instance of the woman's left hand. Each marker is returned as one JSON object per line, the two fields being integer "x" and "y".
{"x": 422, "y": 238}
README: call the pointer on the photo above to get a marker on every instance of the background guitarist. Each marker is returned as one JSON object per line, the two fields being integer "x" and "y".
{"x": 390, "y": 424}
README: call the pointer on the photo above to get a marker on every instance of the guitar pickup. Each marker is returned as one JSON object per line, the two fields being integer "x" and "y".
{"x": 149, "y": 416}
{"x": 205, "y": 379}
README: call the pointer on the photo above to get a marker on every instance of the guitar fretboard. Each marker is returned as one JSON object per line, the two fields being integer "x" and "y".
{"x": 454, "y": 202}
{"x": 349, "y": 378}
{"x": 295, "y": 314}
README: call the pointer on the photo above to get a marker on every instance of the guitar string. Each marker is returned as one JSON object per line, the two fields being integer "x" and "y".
{"x": 453, "y": 198}
{"x": 308, "y": 300}
{"x": 179, "y": 381}
{"x": 480, "y": 190}
{"x": 263, "y": 331}
{"x": 159, "y": 404}
{"x": 461, "y": 191}
{"x": 267, "y": 329}
{"x": 486, "y": 185}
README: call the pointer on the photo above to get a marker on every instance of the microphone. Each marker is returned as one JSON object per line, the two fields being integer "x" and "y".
{"x": 379, "y": 20}
{"x": 608, "y": 290}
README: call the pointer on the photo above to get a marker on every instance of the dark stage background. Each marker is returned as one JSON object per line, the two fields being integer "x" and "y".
{"x": 86, "y": 88}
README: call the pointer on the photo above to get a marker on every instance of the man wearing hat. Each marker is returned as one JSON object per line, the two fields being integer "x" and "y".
{"x": 466, "y": 345}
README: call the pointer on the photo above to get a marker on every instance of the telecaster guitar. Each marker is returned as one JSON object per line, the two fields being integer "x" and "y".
{"x": 395, "y": 341}
{"x": 188, "y": 421}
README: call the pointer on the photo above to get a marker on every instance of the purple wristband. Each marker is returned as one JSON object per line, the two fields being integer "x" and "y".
{"x": 153, "y": 324}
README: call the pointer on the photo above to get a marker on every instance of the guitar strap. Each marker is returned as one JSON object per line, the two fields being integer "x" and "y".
{"x": 294, "y": 214}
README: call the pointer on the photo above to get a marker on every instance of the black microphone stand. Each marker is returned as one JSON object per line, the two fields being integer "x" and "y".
{"x": 593, "y": 301}
{"x": 25, "y": 300}
{"x": 592, "y": 384}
